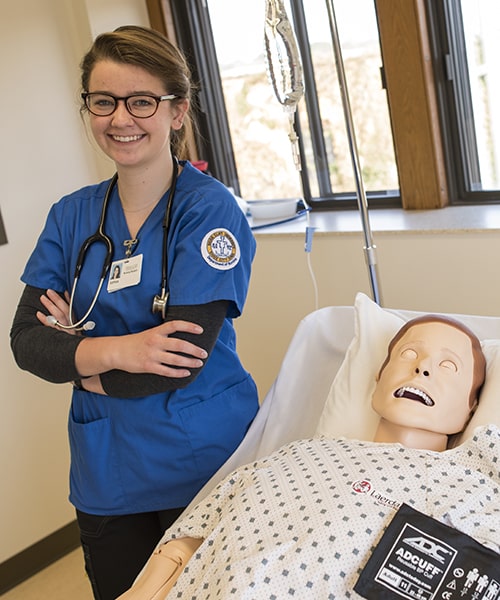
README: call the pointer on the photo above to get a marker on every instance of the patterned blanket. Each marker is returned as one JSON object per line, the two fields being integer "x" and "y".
{"x": 303, "y": 522}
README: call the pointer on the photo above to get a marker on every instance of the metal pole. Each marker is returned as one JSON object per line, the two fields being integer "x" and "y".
{"x": 369, "y": 247}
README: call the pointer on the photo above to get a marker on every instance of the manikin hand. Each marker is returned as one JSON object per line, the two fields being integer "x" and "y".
{"x": 162, "y": 570}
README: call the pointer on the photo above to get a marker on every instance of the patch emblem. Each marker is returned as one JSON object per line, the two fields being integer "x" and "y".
{"x": 220, "y": 249}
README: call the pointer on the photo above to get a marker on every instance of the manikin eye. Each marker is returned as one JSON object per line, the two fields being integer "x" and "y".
{"x": 409, "y": 354}
{"x": 449, "y": 364}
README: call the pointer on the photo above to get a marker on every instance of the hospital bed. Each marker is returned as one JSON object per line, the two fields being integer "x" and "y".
{"x": 294, "y": 405}
{"x": 323, "y": 391}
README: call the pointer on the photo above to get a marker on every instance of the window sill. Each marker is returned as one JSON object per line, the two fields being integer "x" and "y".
{"x": 452, "y": 219}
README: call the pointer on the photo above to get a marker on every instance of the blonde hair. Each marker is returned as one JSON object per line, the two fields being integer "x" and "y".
{"x": 152, "y": 51}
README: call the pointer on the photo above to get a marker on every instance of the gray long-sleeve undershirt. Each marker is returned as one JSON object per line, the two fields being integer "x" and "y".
{"x": 50, "y": 353}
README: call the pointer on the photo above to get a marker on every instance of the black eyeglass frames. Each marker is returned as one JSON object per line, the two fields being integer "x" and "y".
{"x": 141, "y": 106}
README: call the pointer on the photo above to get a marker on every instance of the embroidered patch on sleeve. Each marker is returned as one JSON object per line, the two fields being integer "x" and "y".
{"x": 220, "y": 249}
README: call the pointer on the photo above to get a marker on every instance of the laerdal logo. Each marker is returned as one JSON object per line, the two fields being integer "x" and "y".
{"x": 427, "y": 546}
{"x": 363, "y": 486}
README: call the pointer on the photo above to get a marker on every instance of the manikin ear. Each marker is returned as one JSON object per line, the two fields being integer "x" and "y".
{"x": 470, "y": 415}
{"x": 473, "y": 407}
{"x": 179, "y": 111}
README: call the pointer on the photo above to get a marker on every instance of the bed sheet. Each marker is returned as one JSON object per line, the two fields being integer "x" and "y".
{"x": 297, "y": 523}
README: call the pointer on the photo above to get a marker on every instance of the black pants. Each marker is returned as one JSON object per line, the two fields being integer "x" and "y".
{"x": 117, "y": 547}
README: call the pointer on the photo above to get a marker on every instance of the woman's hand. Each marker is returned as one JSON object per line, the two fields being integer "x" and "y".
{"x": 151, "y": 351}
{"x": 57, "y": 307}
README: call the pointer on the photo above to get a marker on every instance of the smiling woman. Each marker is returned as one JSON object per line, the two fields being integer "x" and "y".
{"x": 144, "y": 388}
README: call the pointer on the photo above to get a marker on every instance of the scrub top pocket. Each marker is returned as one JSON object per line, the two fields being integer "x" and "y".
{"x": 94, "y": 467}
{"x": 215, "y": 427}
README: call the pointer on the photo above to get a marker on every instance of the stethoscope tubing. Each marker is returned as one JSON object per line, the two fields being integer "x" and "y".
{"x": 159, "y": 301}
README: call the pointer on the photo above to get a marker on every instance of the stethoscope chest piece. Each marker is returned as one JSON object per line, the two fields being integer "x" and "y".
{"x": 160, "y": 301}
{"x": 160, "y": 304}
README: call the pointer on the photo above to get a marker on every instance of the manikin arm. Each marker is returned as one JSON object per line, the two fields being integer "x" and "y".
{"x": 162, "y": 570}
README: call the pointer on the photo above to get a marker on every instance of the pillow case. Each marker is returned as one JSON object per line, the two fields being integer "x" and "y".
{"x": 488, "y": 410}
{"x": 348, "y": 412}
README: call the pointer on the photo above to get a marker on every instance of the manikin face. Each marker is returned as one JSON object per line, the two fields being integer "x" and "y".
{"x": 427, "y": 382}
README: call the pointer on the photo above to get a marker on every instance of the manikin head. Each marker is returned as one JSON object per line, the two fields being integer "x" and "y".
{"x": 428, "y": 387}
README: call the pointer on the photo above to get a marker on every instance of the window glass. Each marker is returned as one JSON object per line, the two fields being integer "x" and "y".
{"x": 259, "y": 125}
{"x": 481, "y": 25}
{"x": 358, "y": 33}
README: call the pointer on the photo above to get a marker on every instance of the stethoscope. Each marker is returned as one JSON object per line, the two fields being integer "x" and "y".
{"x": 99, "y": 237}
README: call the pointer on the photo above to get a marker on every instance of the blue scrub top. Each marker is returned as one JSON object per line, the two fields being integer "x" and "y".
{"x": 155, "y": 452}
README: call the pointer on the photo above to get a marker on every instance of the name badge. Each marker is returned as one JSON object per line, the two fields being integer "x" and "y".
{"x": 125, "y": 273}
{"x": 420, "y": 558}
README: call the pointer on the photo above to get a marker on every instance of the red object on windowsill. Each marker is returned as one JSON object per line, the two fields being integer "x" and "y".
{"x": 202, "y": 165}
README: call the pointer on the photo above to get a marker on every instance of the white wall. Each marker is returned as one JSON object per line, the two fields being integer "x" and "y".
{"x": 45, "y": 153}
{"x": 454, "y": 272}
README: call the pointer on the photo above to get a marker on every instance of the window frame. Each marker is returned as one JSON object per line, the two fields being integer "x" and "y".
{"x": 449, "y": 57}
{"x": 423, "y": 125}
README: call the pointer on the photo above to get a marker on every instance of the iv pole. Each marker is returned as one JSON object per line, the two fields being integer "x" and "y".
{"x": 369, "y": 248}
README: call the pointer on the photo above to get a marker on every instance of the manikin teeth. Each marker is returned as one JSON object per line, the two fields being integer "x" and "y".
{"x": 414, "y": 394}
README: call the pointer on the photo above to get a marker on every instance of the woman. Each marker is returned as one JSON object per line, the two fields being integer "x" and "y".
{"x": 160, "y": 397}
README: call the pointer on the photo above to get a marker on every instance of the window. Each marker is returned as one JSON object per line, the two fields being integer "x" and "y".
{"x": 260, "y": 126}
{"x": 426, "y": 130}
{"x": 228, "y": 46}
{"x": 466, "y": 44}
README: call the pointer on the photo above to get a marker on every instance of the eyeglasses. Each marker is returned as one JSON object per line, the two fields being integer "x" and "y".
{"x": 141, "y": 106}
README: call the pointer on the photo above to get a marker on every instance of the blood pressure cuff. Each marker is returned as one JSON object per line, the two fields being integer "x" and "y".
{"x": 421, "y": 558}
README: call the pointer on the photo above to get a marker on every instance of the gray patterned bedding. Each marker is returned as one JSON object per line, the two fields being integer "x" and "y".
{"x": 302, "y": 523}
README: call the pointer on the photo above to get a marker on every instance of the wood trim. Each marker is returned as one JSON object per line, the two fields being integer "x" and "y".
{"x": 20, "y": 567}
{"x": 161, "y": 19}
{"x": 413, "y": 106}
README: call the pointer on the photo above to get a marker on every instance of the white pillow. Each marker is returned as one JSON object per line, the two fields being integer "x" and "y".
{"x": 348, "y": 412}
{"x": 488, "y": 410}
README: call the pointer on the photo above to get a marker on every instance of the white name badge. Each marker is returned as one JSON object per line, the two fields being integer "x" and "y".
{"x": 125, "y": 273}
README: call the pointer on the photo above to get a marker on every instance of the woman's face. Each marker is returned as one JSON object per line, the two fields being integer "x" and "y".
{"x": 130, "y": 141}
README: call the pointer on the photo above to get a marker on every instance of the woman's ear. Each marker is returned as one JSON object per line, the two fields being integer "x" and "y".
{"x": 179, "y": 110}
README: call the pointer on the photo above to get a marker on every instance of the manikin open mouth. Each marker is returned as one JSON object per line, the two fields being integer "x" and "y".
{"x": 412, "y": 393}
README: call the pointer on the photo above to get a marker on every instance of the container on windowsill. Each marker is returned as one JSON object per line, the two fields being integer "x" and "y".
{"x": 272, "y": 209}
